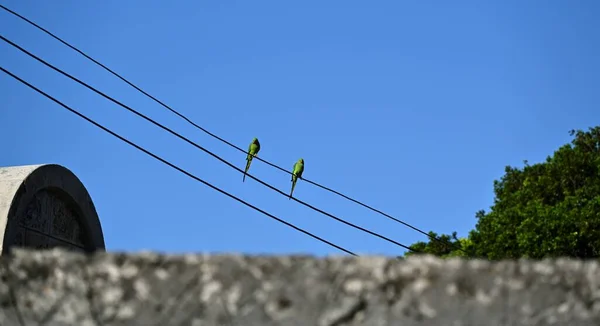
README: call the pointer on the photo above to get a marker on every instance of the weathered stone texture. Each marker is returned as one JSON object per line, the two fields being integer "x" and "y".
{"x": 67, "y": 288}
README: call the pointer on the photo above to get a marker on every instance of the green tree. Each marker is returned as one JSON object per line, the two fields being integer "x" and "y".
{"x": 444, "y": 246}
{"x": 548, "y": 209}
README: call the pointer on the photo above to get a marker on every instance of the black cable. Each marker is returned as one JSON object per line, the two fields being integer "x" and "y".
{"x": 34, "y": 230}
{"x": 173, "y": 165}
{"x": 141, "y": 115}
{"x": 215, "y": 136}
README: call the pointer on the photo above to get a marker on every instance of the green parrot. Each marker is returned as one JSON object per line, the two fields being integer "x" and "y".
{"x": 297, "y": 173}
{"x": 253, "y": 150}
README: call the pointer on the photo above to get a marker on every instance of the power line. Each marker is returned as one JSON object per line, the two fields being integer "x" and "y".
{"x": 53, "y": 237}
{"x": 216, "y": 136}
{"x": 141, "y": 115}
{"x": 171, "y": 164}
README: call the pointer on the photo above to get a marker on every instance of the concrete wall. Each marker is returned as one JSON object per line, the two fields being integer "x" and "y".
{"x": 45, "y": 206}
{"x": 69, "y": 288}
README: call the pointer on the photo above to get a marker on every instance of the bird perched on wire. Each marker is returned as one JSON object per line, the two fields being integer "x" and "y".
{"x": 253, "y": 150}
{"x": 297, "y": 173}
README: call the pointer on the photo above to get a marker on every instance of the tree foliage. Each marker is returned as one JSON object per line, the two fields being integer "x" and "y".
{"x": 548, "y": 209}
{"x": 444, "y": 246}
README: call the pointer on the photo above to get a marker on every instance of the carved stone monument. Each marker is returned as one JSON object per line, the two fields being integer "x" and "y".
{"x": 46, "y": 206}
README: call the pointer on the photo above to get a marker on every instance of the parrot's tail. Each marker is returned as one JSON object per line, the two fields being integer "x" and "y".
{"x": 293, "y": 186}
{"x": 246, "y": 170}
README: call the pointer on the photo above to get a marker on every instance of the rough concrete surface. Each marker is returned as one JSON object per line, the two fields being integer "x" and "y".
{"x": 68, "y": 288}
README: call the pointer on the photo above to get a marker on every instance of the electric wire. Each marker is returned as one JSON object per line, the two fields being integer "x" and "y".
{"x": 214, "y": 135}
{"x": 141, "y": 115}
{"x": 147, "y": 152}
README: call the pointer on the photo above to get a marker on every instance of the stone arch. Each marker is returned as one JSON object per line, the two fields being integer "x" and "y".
{"x": 45, "y": 206}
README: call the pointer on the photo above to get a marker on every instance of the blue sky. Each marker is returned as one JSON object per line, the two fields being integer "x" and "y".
{"x": 412, "y": 107}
